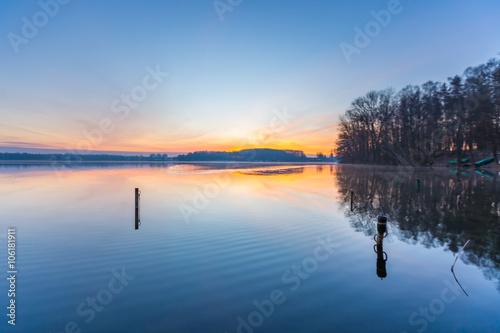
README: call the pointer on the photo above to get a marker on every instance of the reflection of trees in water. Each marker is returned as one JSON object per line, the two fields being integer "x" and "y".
{"x": 441, "y": 211}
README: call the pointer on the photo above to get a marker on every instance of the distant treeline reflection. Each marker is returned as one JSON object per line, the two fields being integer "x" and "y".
{"x": 273, "y": 172}
{"x": 431, "y": 208}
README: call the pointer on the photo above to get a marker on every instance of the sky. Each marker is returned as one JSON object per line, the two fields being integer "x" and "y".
{"x": 185, "y": 75}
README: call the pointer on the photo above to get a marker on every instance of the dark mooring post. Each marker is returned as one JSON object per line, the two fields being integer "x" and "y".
{"x": 418, "y": 185}
{"x": 379, "y": 246}
{"x": 137, "y": 201}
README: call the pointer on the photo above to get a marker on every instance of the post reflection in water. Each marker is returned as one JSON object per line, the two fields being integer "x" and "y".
{"x": 137, "y": 208}
{"x": 427, "y": 207}
{"x": 379, "y": 246}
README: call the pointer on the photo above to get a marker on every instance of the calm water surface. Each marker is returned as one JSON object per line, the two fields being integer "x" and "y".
{"x": 239, "y": 248}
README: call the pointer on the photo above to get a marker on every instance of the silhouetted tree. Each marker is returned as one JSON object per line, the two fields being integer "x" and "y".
{"x": 420, "y": 122}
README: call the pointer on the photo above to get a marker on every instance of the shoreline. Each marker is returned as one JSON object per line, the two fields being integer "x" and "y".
{"x": 32, "y": 162}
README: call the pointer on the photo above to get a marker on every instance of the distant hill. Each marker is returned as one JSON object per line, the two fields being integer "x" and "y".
{"x": 247, "y": 155}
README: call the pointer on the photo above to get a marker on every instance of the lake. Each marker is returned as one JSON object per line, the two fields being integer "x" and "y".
{"x": 250, "y": 248}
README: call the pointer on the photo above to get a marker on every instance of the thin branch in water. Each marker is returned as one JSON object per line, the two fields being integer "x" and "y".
{"x": 459, "y": 253}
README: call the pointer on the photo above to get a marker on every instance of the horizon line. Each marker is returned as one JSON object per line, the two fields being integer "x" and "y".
{"x": 14, "y": 149}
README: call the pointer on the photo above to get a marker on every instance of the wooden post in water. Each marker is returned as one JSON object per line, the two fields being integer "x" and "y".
{"x": 137, "y": 199}
{"x": 418, "y": 185}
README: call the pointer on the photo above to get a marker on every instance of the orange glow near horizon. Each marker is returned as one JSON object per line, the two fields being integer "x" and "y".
{"x": 310, "y": 133}
{"x": 308, "y": 150}
{"x": 308, "y": 141}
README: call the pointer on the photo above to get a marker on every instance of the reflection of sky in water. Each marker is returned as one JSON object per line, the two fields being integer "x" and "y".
{"x": 257, "y": 223}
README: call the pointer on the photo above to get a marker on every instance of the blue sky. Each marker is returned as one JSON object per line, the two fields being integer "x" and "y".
{"x": 227, "y": 79}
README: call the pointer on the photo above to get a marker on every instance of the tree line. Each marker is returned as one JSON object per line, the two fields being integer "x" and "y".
{"x": 247, "y": 155}
{"x": 419, "y": 123}
{"x": 79, "y": 157}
